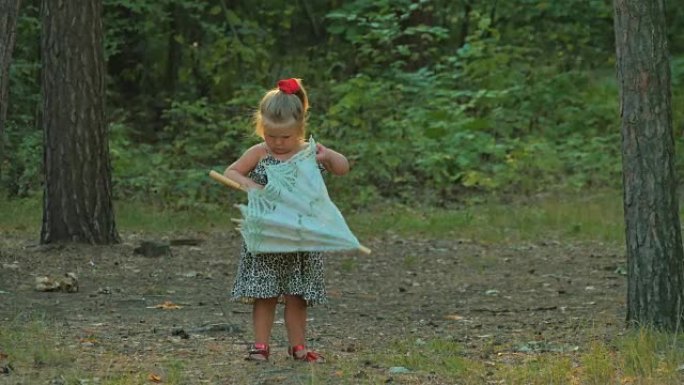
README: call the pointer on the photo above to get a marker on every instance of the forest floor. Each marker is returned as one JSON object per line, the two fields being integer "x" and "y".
{"x": 168, "y": 319}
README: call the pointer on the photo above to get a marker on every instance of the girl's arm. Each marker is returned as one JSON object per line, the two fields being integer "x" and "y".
{"x": 239, "y": 170}
{"x": 333, "y": 161}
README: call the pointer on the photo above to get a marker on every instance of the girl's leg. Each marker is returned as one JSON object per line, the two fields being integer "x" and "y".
{"x": 263, "y": 313}
{"x": 295, "y": 322}
{"x": 295, "y": 319}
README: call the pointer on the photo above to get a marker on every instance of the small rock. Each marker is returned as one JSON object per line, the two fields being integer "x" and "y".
{"x": 180, "y": 333}
{"x": 67, "y": 284}
{"x": 58, "y": 381}
{"x": 104, "y": 290}
{"x": 153, "y": 249}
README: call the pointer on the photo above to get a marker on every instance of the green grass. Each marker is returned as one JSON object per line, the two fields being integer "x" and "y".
{"x": 548, "y": 369}
{"x": 597, "y": 217}
{"x": 599, "y": 364}
{"x": 20, "y": 215}
{"x": 649, "y": 354}
{"x": 38, "y": 347}
{"x": 24, "y": 216}
{"x": 642, "y": 356}
{"x": 572, "y": 217}
{"x": 34, "y": 343}
{"x": 139, "y": 216}
{"x": 40, "y": 353}
{"x": 442, "y": 357}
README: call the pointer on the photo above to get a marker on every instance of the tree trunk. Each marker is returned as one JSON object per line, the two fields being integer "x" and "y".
{"x": 9, "y": 11}
{"x": 175, "y": 50}
{"x": 465, "y": 24}
{"x": 654, "y": 243}
{"x": 77, "y": 204}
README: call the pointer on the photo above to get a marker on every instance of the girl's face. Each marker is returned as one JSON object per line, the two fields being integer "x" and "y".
{"x": 282, "y": 141}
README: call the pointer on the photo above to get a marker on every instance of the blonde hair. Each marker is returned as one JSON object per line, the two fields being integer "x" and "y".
{"x": 279, "y": 109}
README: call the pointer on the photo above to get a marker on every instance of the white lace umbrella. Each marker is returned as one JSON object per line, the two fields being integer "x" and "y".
{"x": 293, "y": 212}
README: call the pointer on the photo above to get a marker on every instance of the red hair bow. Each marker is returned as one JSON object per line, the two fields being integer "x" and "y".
{"x": 288, "y": 86}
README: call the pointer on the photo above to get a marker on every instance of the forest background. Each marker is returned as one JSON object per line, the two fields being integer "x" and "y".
{"x": 433, "y": 101}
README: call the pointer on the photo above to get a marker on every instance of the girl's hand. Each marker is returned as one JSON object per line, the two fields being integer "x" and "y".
{"x": 253, "y": 185}
{"x": 321, "y": 153}
{"x": 332, "y": 160}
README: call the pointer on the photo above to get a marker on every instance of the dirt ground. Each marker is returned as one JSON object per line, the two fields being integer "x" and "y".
{"x": 491, "y": 299}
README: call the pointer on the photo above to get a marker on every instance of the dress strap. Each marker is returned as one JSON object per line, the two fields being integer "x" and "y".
{"x": 268, "y": 152}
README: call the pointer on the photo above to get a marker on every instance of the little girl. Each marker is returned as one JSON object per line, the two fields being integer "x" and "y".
{"x": 297, "y": 279}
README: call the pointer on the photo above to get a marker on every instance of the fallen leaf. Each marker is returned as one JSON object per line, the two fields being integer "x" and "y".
{"x": 453, "y": 317}
{"x": 154, "y": 378}
{"x": 166, "y": 305}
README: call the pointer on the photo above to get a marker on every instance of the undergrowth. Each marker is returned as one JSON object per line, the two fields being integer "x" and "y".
{"x": 559, "y": 217}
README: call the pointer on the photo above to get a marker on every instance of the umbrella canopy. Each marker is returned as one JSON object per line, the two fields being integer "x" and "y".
{"x": 293, "y": 212}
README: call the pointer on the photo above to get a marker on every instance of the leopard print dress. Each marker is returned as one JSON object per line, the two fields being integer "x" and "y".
{"x": 272, "y": 275}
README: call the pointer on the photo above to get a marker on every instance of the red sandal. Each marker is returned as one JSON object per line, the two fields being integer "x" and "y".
{"x": 258, "y": 352}
{"x": 300, "y": 353}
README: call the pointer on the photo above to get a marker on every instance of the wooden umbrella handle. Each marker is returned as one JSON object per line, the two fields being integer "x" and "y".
{"x": 226, "y": 181}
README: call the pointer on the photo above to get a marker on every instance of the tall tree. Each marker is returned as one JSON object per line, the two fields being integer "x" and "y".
{"x": 654, "y": 243}
{"x": 77, "y": 204}
{"x": 9, "y": 11}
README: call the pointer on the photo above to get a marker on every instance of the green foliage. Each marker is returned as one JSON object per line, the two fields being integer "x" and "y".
{"x": 386, "y": 33}
{"x": 574, "y": 34}
{"x": 24, "y": 87}
{"x": 426, "y": 130}
{"x": 431, "y": 100}
{"x": 195, "y": 138}
{"x": 21, "y": 170}
{"x": 678, "y": 111}
{"x": 20, "y": 160}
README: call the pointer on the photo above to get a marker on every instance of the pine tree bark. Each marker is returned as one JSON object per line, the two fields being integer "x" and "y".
{"x": 652, "y": 228}
{"x": 77, "y": 204}
{"x": 9, "y": 12}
